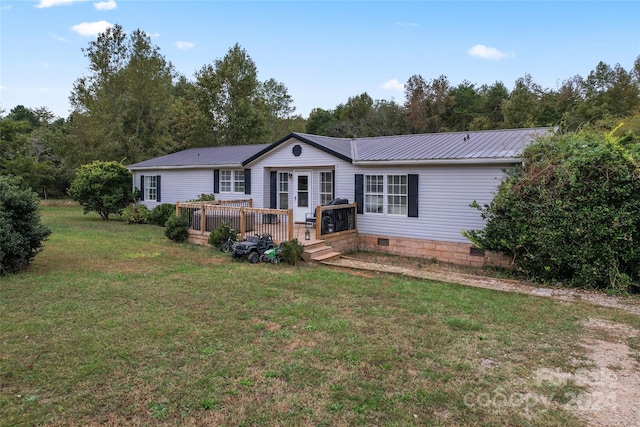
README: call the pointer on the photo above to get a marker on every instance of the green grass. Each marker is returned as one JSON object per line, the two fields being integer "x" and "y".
{"x": 114, "y": 324}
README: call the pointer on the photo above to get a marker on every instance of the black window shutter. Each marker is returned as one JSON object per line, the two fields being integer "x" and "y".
{"x": 216, "y": 181}
{"x": 333, "y": 182}
{"x": 247, "y": 181}
{"x": 158, "y": 192}
{"x": 141, "y": 187}
{"x": 360, "y": 192}
{"x": 273, "y": 183}
{"x": 412, "y": 199}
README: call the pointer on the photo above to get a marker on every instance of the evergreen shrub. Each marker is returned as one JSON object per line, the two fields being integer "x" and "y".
{"x": 177, "y": 228}
{"x": 571, "y": 214}
{"x": 22, "y": 233}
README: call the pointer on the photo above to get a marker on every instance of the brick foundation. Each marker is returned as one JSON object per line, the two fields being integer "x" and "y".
{"x": 451, "y": 252}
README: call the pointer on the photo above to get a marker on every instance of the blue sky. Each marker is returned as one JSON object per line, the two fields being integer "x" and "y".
{"x": 326, "y": 51}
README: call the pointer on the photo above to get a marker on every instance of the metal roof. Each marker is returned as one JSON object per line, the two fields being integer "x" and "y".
{"x": 494, "y": 144}
{"x": 491, "y": 146}
{"x": 232, "y": 155}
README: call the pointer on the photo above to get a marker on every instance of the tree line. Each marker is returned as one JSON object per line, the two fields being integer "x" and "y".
{"x": 132, "y": 105}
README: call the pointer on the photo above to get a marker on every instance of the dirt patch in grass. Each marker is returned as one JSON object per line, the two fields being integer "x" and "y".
{"x": 613, "y": 384}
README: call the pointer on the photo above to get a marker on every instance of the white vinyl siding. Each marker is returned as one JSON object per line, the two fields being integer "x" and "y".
{"x": 445, "y": 193}
{"x": 178, "y": 185}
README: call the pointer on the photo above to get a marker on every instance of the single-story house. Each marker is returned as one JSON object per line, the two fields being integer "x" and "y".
{"x": 412, "y": 191}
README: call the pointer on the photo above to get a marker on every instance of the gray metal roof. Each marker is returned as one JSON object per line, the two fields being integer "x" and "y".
{"x": 202, "y": 157}
{"x": 494, "y": 144}
{"x": 491, "y": 145}
{"x": 341, "y": 146}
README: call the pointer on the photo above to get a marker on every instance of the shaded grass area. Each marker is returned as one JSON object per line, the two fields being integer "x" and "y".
{"x": 114, "y": 324}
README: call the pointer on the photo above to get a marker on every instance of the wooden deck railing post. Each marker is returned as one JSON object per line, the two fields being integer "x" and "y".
{"x": 203, "y": 218}
{"x": 243, "y": 222}
{"x": 318, "y": 222}
{"x": 289, "y": 224}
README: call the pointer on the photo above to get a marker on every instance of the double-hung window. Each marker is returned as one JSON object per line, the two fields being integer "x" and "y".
{"x": 238, "y": 181}
{"x": 283, "y": 190}
{"x": 225, "y": 181}
{"x": 397, "y": 194}
{"x": 374, "y": 194}
{"x": 150, "y": 187}
{"x": 231, "y": 181}
{"x": 326, "y": 187}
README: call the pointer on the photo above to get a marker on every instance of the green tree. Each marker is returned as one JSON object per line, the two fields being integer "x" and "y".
{"x": 466, "y": 107}
{"x": 321, "y": 122}
{"x": 103, "y": 187}
{"x": 521, "y": 109}
{"x": 22, "y": 233}
{"x": 238, "y": 108}
{"x": 122, "y": 107}
{"x": 426, "y": 104}
{"x": 25, "y": 151}
{"x": 571, "y": 214}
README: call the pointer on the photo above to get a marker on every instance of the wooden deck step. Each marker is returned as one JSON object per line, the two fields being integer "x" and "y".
{"x": 318, "y": 251}
{"x": 326, "y": 256}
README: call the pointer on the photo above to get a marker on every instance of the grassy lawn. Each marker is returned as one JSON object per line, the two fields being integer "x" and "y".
{"x": 114, "y": 324}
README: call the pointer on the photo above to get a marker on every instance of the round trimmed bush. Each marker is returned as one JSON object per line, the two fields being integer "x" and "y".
{"x": 177, "y": 228}
{"x": 103, "y": 187}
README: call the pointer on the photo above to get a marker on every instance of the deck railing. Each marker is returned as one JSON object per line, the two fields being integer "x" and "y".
{"x": 238, "y": 214}
{"x": 335, "y": 219}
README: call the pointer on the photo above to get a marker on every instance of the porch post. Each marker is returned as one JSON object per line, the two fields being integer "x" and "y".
{"x": 203, "y": 218}
{"x": 290, "y": 224}
{"x": 243, "y": 224}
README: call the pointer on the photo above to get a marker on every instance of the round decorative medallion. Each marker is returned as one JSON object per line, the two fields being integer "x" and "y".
{"x": 297, "y": 150}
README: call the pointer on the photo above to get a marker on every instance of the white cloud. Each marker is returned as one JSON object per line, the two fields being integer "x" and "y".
{"x": 184, "y": 45}
{"x": 50, "y": 3}
{"x": 91, "y": 28}
{"x": 484, "y": 52}
{"x": 106, "y": 5}
{"x": 153, "y": 35}
{"x": 393, "y": 84}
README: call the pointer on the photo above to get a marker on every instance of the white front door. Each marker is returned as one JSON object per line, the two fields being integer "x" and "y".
{"x": 301, "y": 195}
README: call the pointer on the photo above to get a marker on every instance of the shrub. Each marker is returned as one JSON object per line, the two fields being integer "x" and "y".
{"x": 204, "y": 198}
{"x": 103, "y": 187}
{"x": 177, "y": 228}
{"x": 292, "y": 251}
{"x": 221, "y": 234}
{"x": 21, "y": 232}
{"x": 136, "y": 214}
{"x": 161, "y": 213}
{"x": 571, "y": 214}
